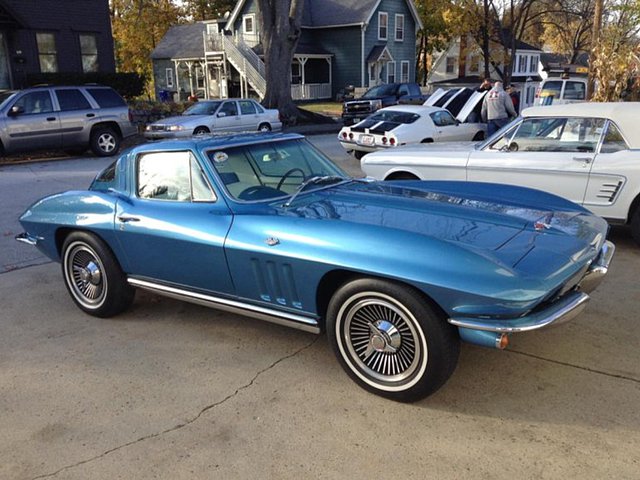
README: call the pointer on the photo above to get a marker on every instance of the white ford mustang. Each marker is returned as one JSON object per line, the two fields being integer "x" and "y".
{"x": 586, "y": 152}
{"x": 406, "y": 124}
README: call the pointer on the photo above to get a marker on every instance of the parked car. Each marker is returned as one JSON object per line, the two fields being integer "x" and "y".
{"x": 216, "y": 116}
{"x": 586, "y": 152}
{"x": 404, "y": 125}
{"x": 381, "y": 96}
{"x": 67, "y": 118}
{"x": 557, "y": 90}
{"x": 266, "y": 225}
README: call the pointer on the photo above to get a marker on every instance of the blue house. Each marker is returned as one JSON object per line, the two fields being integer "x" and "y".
{"x": 343, "y": 42}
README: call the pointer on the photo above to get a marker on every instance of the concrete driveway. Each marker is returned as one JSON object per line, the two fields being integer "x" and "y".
{"x": 176, "y": 391}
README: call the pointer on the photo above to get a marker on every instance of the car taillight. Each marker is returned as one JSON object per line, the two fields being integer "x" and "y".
{"x": 392, "y": 141}
{"x": 350, "y": 136}
{"x": 344, "y": 135}
{"x": 385, "y": 140}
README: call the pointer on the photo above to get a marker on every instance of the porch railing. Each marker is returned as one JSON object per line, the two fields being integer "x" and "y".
{"x": 310, "y": 91}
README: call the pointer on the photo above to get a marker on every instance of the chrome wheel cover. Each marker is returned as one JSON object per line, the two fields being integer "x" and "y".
{"x": 107, "y": 142}
{"x": 84, "y": 275}
{"x": 381, "y": 341}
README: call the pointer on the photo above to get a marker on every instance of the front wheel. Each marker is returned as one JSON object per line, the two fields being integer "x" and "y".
{"x": 390, "y": 340}
{"x": 264, "y": 128}
{"x": 93, "y": 276}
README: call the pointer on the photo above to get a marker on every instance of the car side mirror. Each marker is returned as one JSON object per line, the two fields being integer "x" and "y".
{"x": 221, "y": 114}
{"x": 457, "y": 122}
{"x": 15, "y": 111}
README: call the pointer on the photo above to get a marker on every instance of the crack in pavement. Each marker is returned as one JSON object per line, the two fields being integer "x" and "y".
{"x": 188, "y": 422}
{"x": 586, "y": 369}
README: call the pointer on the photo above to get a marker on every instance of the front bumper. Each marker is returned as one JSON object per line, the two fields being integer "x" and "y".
{"x": 565, "y": 308}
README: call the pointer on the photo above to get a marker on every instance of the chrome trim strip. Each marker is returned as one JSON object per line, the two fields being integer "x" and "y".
{"x": 299, "y": 322}
{"x": 598, "y": 269}
{"x": 565, "y": 309}
{"x": 28, "y": 239}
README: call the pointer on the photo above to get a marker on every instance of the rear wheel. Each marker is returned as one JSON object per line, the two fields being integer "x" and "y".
{"x": 264, "y": 128}
{"x": 390, "y": 340}
{"x": 478, "y": 137}
{"x": 93, "y": 276}
{"x": 402, "y": 176}
{"x": 105, "y": 141}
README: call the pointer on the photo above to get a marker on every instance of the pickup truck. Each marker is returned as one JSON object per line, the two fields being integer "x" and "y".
{"x": 378, "y": 97}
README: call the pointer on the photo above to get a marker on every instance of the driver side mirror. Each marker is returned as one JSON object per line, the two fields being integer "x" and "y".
{"x": 221, "y": 114}
{"x": 15, "y": 111}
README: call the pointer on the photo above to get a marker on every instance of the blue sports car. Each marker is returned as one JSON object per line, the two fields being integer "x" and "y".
{"x": 397, "y": 273}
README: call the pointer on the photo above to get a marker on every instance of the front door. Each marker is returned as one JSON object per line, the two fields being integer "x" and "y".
{"x": 34, "y": 124}
{"x": 228, "y": 118}
{"x": 552, "y": 154}
{"x": 173, "y": 230}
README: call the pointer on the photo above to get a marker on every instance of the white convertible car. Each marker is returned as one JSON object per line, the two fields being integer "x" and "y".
{"x": 586, "y": 152}
{"x": 406, "y": 124}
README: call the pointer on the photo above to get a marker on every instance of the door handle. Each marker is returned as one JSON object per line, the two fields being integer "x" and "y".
{"x": 90, "y": 115}
{"x": 583, "y": 159}
{"x": 51, "y": 119}
{"x": 124, "y": 218}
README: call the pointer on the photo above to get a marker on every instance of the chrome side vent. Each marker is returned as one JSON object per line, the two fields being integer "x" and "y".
{"x": 609, "y": 191}
{"x": 276, "y": 283}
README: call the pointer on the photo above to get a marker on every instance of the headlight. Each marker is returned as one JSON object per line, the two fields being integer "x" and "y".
{"x": 147, "y": 128}
{"x": 175, "y": 128}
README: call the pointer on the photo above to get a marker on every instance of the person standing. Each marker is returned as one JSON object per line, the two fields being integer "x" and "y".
{"x": 497, "y": 108}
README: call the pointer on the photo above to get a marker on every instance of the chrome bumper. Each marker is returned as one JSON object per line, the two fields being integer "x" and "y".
{"x": 564, "y": 309}
{"x": 28, "y": 239}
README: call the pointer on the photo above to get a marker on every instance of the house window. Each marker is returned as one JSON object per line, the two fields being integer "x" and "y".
{"x": 47, "y": 52}
{"x": 248, "y": 23}
{"x": 399, "y": 28}
{"x": 89, "y": 52}
{"x": 474, "y": 64}
{"x": 404, "y": 71}
{"x": 199, "y": 76}
{"x": 533, "y": 66}
{"x": 451, "y": 65}
{"x": 522, "y": 63}
{"x": 391, "y": 72}
{"x": 169, "y": 77}
{"x": 383, "y": 25}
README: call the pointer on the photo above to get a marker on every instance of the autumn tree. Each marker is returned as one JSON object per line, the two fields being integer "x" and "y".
{"x": 435, "y": 34}
{"x": 280, "y": 27}
{"x": 138, "y": 26}
{"x": 207, "y": 9}
{"x": 567, "y": 27}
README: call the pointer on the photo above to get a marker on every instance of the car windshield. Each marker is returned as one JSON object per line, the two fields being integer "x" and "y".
{"x": 394, "y": 116}
{"x": 5, "y": 97}
{"x": 501, "y": 138}
{"x": 202, "y": 108}
{"x": 269, "y": 170}
{"x": 381, "y": 91}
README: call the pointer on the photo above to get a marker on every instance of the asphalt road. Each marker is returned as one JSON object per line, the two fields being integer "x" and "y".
{"x": 170, "y": 390}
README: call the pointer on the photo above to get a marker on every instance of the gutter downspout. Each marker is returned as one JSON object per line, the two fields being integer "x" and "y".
{"x": 363, "y": 67}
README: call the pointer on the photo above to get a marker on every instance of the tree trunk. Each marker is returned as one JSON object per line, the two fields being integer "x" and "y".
{"x": 485, "y": 39}
{"x": 280, "y": 31}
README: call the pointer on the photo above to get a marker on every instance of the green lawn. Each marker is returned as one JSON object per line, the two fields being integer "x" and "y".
{"x": 331, "y": 109}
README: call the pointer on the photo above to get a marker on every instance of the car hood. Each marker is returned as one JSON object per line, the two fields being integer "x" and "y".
{"x": 181, "y": 120}
{"x": 471, "y": 215}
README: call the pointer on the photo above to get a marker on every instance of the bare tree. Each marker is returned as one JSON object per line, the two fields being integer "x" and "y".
{"x": 280, "y": 26}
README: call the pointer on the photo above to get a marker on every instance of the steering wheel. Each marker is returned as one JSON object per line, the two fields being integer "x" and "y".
{"x": 288, "y": 174}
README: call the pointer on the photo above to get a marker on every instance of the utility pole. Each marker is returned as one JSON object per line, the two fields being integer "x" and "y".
{"x": 597, "y": 26}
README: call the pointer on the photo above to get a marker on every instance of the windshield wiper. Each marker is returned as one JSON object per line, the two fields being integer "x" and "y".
{"x": 313, "y": 181}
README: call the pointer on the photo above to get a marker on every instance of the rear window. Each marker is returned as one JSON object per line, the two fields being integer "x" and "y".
{"x": 551, "y": 89}
{"x": 106, "y": 97}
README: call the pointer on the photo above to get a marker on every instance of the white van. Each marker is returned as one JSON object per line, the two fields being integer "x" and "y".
{"x": 559, "y": 91}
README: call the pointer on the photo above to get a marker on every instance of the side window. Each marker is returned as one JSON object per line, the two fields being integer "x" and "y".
{"x": 247, "y": 107}
{"x": 551, "y": 89}
{"x": 106, "y": 97}
{"x": 173, "y": 176}
{"x": 574, "y": 90}
{"x": 613, "y": 140}
{"x": 229, "y": 109}
{"x": 35, "y": 102}
{"x": 558, "y": 135}
{"x": 442, "y": 119}
{"x": 72, "y": 99}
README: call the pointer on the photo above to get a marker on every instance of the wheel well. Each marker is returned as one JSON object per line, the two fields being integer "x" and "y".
{"x": 335, "y": 279}
{"x": 427, "y": 140}
{"x": 402, "y": 176}
{"x": 112, "y": 125}
{"x": 202, "y": 127}
{"x": 479, "y": 135}
{"x": 633, "y": 208}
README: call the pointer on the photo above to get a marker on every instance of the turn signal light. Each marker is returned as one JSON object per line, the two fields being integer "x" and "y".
{"x": 503, "y": 341}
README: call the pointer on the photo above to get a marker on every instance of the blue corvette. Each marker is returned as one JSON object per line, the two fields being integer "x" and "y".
{"x": 397, "y": 273}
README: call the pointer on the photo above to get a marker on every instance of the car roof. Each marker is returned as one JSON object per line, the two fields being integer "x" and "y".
{"x": 216, "y": 141}
{"x": 623, "y": 114}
